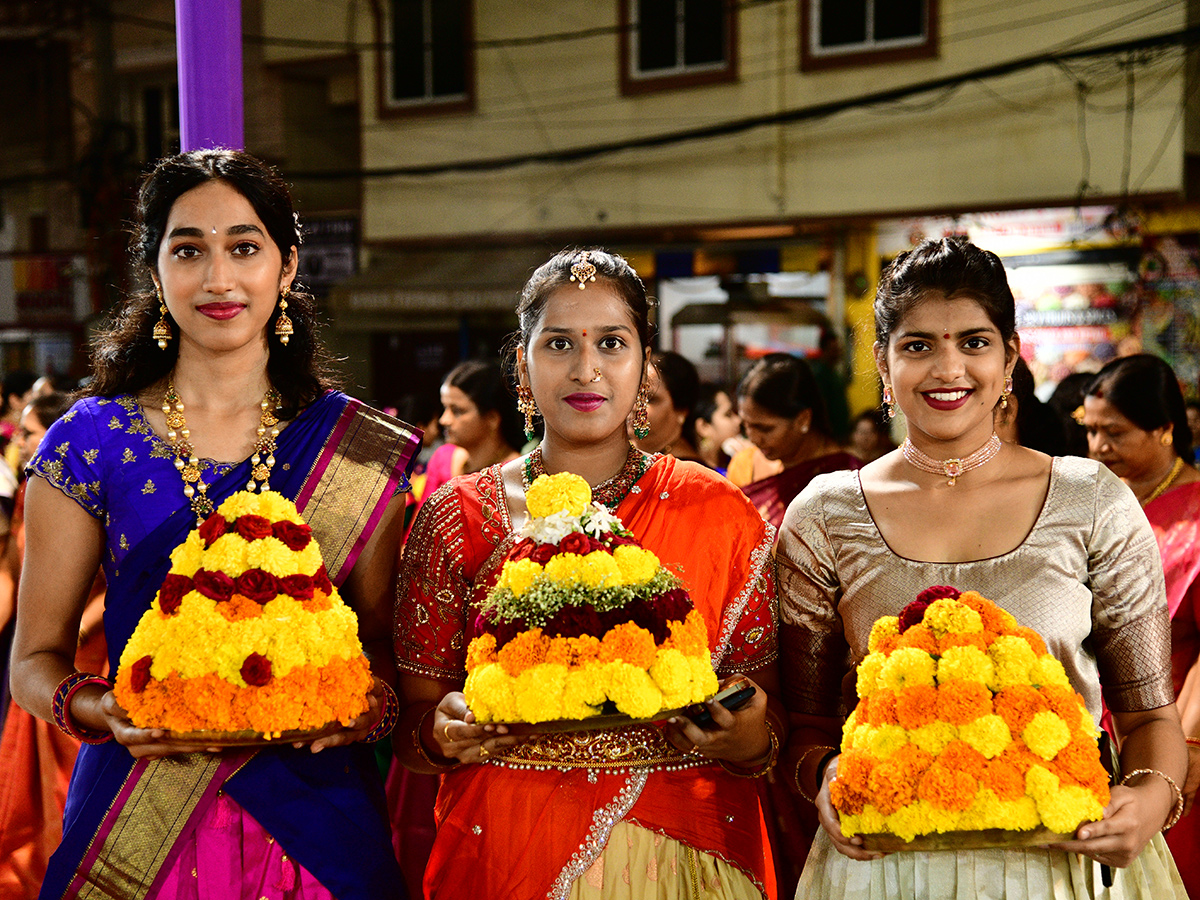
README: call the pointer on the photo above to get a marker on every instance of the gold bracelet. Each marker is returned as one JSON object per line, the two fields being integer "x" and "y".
{"x": 1193, "y": 742}
{"x": 421, "y": 751}
{"x": 800, "y": 763}
{"x": 762, "y": 768}
{"x": 1177, "y": 809}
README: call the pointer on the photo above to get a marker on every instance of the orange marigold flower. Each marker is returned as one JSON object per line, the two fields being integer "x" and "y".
{"x": 882, "y": 710}
{"x": 481, "y": 651}
{"x": 1066, "y": 704}
{"x": 849, "y": 790}
{"x": 1003, "y": 778}
{"x": 573, "y": 652}
{"x": 947, "y": 788}
{"x": 961, "y": 701}
{"x": 629, "y": 643}
{"x": 913, "y": 760}
{"x": 1020, "y": 757}
{"x": 962, "y": 756}
{"x": 916, "y": 706}
{"x": 995, "y": 619}
{"x": 689, "y": 637}
{"x": 890, "y": 786}
{"x": 921, "y": 637}
{"x": 1079, "y": 763}
{"x": 1035, "y": 639}
{"x": 889, "y": 643}
{"x": 980, "y": 639}
{"x": 523, "y": 652}
{"x": 1017, "y": 705}
{"x": 238, "y": 607}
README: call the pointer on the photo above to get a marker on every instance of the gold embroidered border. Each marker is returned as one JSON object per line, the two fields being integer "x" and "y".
{"x": 634, "y": 746}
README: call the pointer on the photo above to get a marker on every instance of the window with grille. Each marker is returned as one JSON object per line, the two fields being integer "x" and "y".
{"x": 676, "y": 43}
{"x": 859, "y": 32}
{"x": 429, "y": 55}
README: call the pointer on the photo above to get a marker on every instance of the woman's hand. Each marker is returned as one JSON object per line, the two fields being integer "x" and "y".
{"x": 828, "y": 817}
{"x": 145, "y": 742}
{"x": 360, "y": 727}
{"x": 458, "y": 737}
{"x": 739, "y": 736}
{"x": 1133, "y": 816}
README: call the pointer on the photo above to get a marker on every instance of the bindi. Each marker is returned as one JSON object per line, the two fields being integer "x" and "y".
{"x": 946, "y": 336}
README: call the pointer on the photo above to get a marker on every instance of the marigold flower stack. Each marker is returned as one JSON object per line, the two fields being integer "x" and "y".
{"x": 583, "y": 621}
{"x": 247, "y": 634}
{"x": 965, "y": 723}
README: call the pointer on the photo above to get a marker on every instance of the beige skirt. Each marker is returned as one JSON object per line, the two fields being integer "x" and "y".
{"x": 639, "y": 864}
{"x": 1028, "y": 874}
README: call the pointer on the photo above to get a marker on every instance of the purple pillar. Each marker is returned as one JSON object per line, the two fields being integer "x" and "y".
{"x": 209, "y": 45}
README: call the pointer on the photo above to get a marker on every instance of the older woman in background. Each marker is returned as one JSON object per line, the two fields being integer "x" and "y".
{"x": 1137, "y": 426}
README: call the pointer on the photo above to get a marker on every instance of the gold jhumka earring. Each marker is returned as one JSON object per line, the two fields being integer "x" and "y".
{"x": 283, "y": 325}
{"x": 162, "y": 328}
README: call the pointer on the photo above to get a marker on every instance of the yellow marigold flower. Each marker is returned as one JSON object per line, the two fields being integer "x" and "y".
{"x": 563, "y": 492}
{"x": 238, "y": 504}
{"x": 671, "y": 672}
{"x": 943, "y": 820}
{"x": 934, "y": 737}
{"x": 704, "y": 679}
{"x": 857, "y": 738}
{"x": 599, "y": 569}
{"x": 868, "y": 674}
{"x": 584, "y": 691}
{"x": 272, "y": 555}
{"x": 227, "y": 554}
{"x": 1013, "y": 658}
{"x": 907, "y": 667}
{"x": 968, "y": 663}
{"x": 946, "y": 616}
{"x": 851, "y": 824}
{"x": 636, "y": 564}
{"x": 186, "y": 559}
{"x": 1040, "y": 782}
{"x": 565, "y": 568}
{"x": 482, "y": 651}
{"x": 882, "y": 741}
{"x": 633, "y": 690}
{"x": 538, "y": 693}
{"x": 1046, "y": 734}
{"x": 871, "y": 820}
{"x": 518, "y": 576}
{"x": 987, "y": 734}
{"x": 1069, "y": 808}
{"x": 884, "y": 627}
{"x": 909, "y": 821}
{"x": 1048, "y": 670}
{"x": 489, "y": 694}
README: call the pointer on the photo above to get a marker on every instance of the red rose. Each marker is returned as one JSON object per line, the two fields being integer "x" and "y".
{"x": 214, "y": 526}
{"x": 256, "y": 670}
{"x": 939, "y": 592}
{"x": 299, "y": 587}
{"x": 674, "y": 605}
{"x": 913, "y": 614}
{"x": 214, "y": 585}
{"x": 171, "y": 593}
{"x": 616, "y": 540}
{"x": 321, "y": 581}
{"x": 257, "y": 585}
{"x": 139, "y": 674}
{"x": 294, "y": 536}
{"x": 523, "y": 550}
{"x": 253, "y": 527}
{"x": 576, "y": 542}
{"x": 543, "y": 553}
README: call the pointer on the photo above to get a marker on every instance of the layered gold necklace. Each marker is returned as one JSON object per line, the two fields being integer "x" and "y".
{"x": 188, "y": 466}
{"x": 951, "y": 468}
{"x": 1162, "y": 486}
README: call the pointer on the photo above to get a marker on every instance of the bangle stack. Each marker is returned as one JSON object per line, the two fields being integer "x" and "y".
{"x": 809, "y": 751}
{"x": 60, "y": 706}
{"x": 1177, "y": 809}
{"x": 756, "y": 769}
{"x": 391, "y": 712}
{"x": 421, "y": 751}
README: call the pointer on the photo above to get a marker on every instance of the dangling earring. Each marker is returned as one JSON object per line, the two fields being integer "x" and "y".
{"x": 528, "y": 407}
{"x": 889, "y": 403}
{"x": 641, "y": 413}
{"x": 283, "y": 325}
{"x": 1004, "y": 394}
{"x": 162, "y": 328}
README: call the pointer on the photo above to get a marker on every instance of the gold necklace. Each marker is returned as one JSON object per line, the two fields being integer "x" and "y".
{"x": 951, "y": 468}
{"x": 188, "y": 465}
{"x": 1166, "y": 482}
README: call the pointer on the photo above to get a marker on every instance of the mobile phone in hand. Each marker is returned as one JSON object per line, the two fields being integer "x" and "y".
{"x": 733, "y": 697}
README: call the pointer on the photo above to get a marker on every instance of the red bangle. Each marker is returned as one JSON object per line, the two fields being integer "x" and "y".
{"x": 61, "y": 706}
{"x": 391, "y": 712}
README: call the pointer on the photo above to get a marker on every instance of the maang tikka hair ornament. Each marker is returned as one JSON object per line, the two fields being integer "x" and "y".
{"x": 528, "y": 408}
{"x": 162, "y": 328}
{"x": 283, "y": 325}
{"x": 583, "y": 271}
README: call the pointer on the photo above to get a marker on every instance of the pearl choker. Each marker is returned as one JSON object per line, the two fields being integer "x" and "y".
{"x": 951, "y": 468}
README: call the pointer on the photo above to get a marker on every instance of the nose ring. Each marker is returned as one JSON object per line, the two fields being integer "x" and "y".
{"x": 598, "y": 375}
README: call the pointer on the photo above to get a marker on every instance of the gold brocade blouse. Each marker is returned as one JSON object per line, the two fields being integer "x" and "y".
{"x": 1087, "y": 578}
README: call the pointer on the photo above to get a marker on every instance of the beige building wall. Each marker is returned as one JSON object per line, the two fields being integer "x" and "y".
{"x": 1020, "y": 139}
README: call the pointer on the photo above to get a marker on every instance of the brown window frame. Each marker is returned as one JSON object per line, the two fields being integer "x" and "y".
{"x": 633, "y": 85}
{"x": 811, "y": 62}
{"x": 390, "y": 108}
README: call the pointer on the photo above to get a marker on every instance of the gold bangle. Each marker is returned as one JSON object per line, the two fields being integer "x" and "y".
{"x": 800, "y": 764}
{"x": 421, "y": 751}
{"x": 760, "y": 768}
{"x": 1193, "y": 742}
{"x": 1177, "y": 809}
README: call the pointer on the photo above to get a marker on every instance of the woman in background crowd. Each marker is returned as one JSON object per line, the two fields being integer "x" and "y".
{"x": 1024, "y": 419}
{"x": 630, "y": 811}
{"x": 674, "y": 390}
{"x": 783, "y": 415}
{"x": 718, "y": 428}
{"x": 1137, "y": 426}
{"x": 871, "y": 436}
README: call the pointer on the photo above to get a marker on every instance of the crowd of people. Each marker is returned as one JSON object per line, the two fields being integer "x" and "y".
{"x": 794, "y": 526}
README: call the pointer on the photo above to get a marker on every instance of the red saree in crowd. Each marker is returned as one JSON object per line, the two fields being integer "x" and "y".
{"x": 1175, "y": 518}
{"x": 771, "y": 496}
{"x": 532, "y": 822}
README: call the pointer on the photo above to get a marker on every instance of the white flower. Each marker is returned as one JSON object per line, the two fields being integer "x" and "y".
{"x": 550, "y": 529}
{"x": 598, "y": 520}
